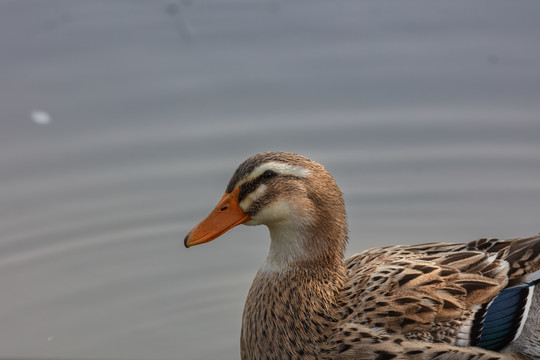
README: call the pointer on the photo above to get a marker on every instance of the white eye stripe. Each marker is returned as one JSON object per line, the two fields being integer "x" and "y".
{"x": 279, "y": 168}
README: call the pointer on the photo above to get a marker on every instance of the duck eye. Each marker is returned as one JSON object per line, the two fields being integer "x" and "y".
{"x": 268, "y": 174}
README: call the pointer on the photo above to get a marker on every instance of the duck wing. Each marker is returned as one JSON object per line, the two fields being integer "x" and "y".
{"x": 449, "y": 293}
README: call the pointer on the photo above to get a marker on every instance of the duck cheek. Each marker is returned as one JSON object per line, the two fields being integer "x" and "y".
{"x": 276, "y": 211}
{"x": 252, "y": 222}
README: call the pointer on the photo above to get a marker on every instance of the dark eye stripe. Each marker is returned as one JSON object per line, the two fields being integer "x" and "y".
{"x": 246, "y": 189}
{"x": 249, "y": 187}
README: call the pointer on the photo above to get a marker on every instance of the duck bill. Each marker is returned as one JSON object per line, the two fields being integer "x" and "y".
{"x": 226, "y": 215}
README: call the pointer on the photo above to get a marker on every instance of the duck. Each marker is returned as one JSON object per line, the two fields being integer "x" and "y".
{"x": 474, "y": 300}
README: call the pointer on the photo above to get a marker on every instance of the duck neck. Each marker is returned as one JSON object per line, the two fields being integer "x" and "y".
{"x": 295, "y": 246}
{"x": 291, "y": 309}
{"x": 297, "y": 291}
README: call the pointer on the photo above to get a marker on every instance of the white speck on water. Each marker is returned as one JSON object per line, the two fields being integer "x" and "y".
{"x": 50, "y": 338}
{"x": 41, "y": 117}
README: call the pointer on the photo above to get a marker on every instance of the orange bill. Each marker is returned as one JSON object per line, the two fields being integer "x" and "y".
{"x": 226, "y": 215}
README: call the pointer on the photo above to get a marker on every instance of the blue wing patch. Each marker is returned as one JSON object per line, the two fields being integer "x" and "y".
{"x": 497, "y": 323}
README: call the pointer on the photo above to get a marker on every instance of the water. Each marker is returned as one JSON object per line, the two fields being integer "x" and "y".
{"x": 427, "y": 115}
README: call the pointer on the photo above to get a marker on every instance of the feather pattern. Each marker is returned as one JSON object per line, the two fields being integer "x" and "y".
{"x": 470, "y": 301}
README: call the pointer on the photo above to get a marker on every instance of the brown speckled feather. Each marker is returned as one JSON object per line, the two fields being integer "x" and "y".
{"x": 426, "y": 291}
{"x": 429, "y": 301}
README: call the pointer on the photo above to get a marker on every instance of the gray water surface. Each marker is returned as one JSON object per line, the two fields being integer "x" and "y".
{"x": 426, "y": 113}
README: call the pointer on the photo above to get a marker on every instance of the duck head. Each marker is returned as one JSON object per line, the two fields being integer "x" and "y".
{"x": 296, "y": 198}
